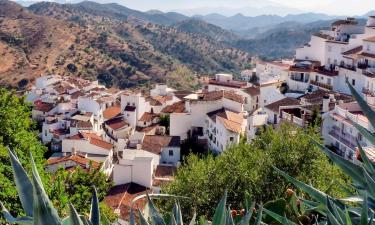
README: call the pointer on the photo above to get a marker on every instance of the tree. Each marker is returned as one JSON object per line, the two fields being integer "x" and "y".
{"x": 247, "y": 168}
{"x": 18, "y": 133}
{"x": 76, "y": 187}
{"x": 182, "y": 77}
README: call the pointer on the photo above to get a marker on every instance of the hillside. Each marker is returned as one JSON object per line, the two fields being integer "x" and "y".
{"x": 203, "y": 28}
{"x": 75, "y": 39}
{"x": 281, "y": 41}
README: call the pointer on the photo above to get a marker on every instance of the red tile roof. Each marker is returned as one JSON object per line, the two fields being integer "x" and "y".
{"x": 283, "y": 102}
{"x": 253, "y": 91}
{"x": 116, "y": 123}
{"x": 111, "y": 112}
{"x": 370, "y": 39}
{"x": 93, "y": 139}
{"x": 231, "y": 120}
{"x": 155, "y": 143}
{"x": 80, "y": 160}
{"x": 43, "y": 106}
{"x": 148, "y": 117}
{"x": 217, "y": 95}
{"x": 233, "y": 83}
{"x": 178, "y": 107}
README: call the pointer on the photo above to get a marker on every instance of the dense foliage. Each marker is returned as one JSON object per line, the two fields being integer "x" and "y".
{"x": 247, "y": 168}
{"x": 17, "y": 132}
{"x": 76, "y": 188}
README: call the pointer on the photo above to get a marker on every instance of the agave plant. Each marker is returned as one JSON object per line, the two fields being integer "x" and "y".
{"x": 353, "y": 210}
{"x": 38, "y": 207}
{"x": 223, "y": 215}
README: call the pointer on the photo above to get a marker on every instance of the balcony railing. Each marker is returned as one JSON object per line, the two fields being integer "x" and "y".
{"x": 346, "y": 139}
{"x": 293, "y": 119}
{"x": 325, "y": 86}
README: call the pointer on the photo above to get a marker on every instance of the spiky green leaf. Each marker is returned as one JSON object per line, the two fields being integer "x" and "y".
{"x": 219, "y": 216}
{"x": 23, "y": 184}
{"x": 278, "y": 218}
{"x": 44, "y": 212}
{"x": 156, "y": 218}
{"x": 95, "y": 211}
{"x": 73, "y": 216}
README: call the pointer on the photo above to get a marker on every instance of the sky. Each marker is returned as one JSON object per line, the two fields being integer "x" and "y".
{"x": 332, "y": 7}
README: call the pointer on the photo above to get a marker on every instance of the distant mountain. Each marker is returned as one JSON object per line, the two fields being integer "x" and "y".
{"x": 281, "y": 40}
{"x": 206, "y": 29}
{"x": 240, "y": 23}
{"x": 264, "y": 9}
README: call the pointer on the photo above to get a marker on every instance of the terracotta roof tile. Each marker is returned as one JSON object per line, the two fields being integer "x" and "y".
{"x": 155, "y": 143}
{"x": 178, "y": 107}
{"x": 148, "y": 117}
{"x": 81, "y": 160}
{"x": 283, "y": 102}
{"x": 370, "y": 39}
{"x": 231, "y": 120}
{"x": 111, "y": 112}
{"x": 253, "y": 91}
{"x": 43, "y": 106}
{"x": 116, "y": 123}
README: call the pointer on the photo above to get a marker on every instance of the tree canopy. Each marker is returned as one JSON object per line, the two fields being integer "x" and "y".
{"x": 246, "y": 169}
{"x": 18, "y": 133}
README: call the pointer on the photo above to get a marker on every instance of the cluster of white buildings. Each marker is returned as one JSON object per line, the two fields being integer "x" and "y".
{"x": 317, "y": 79}
{"x": 120, "y": 132}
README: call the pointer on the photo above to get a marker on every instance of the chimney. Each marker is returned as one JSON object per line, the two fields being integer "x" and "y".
{"x": 326, "y": 101}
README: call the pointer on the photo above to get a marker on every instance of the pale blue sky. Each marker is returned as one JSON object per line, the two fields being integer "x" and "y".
{"x": 337, "y": 7}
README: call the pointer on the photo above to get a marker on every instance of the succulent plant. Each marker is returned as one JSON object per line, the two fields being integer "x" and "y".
{"x": 38, "y": 207}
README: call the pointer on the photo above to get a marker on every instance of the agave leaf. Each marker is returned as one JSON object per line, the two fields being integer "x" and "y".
{"x": 177, "y": 213}
{"x": 351, "y": 169}
{"x": 281, "y": 219}
{"x": 172, "y": 220}
{"x": 229, "y": 217}
{"x": 370, "y": 183}
{"x": 85, "y": 220}
{"x": 132, "y": 217}
{"x": 142, "y": 219}
{"x": 364, "y": 213}
{"x": 259, "y": 217}
{"x": 156, "y": 218}
{"x": 73, "y": 216}
{"x": 354, "y": 199}
{"x": 95, "y": 211}
{"x": 219, "y": 216}
{"x": 246, "y": 219}
{"x": 367, "y": 164}
{"x": 314, "y": 193}
{"x": 23, "y": 184}
{"x": 366, "y": 133}
{"x": 44, "y": 212}
{"x": 192, "y": 221}
{"x": 8, "y": 217}
{"x": 370, "y": 114}
{"x": 332, "y": 219}
{"x": 336, "y": 211}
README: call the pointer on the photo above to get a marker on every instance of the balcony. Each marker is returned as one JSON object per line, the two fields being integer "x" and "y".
{"x": 324, "y": 86}
{"x": 346, "y": 139}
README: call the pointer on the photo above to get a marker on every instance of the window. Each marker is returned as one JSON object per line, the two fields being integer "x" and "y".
{"x": 45, "y": 133}
{"x": 353, "y": 82}
{"x": 170, "y": 152}
{"x": 359, "y": 137}
{"x": 368, "y": 47}
{"x": 128, "y": 103}
{"x": 231, "y": 139}
{"x": 133, "y": 104}
{"x": 144, "y": 123}
{"x": 322, "y": 78}
{"x": 329, "y": 81}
